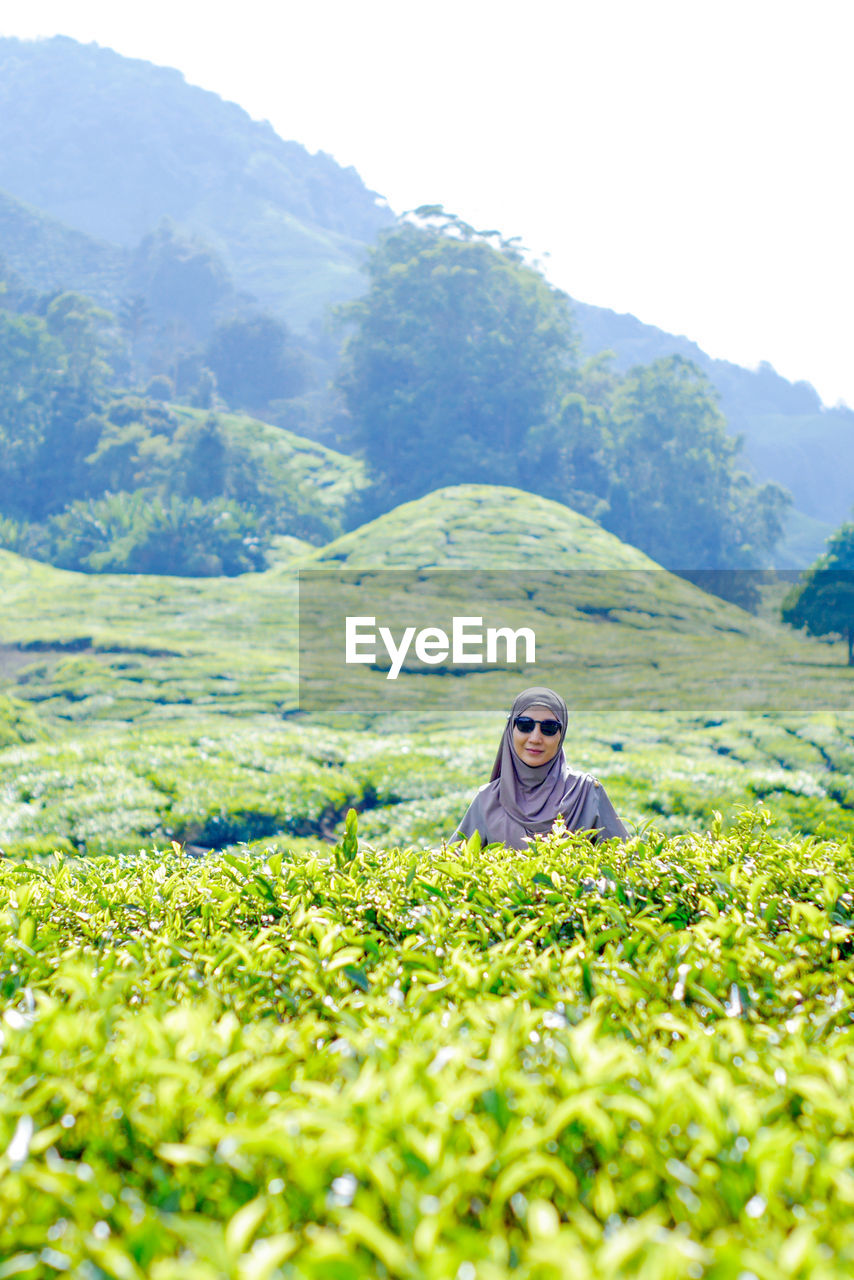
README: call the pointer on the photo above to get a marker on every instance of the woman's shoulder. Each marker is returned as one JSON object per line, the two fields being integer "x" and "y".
{"x": 481, "y": 794}
{"x": 488, "y": 786}
{"x": 580, "y": 778}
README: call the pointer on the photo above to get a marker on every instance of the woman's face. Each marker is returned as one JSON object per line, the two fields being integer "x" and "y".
{"x": 535, "y": 747}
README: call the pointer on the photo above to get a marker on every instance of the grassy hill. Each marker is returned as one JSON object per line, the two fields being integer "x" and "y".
{"x": 329, "y": 477}
{"x": 473, "y": 526}
{"x": 172, "y": 703}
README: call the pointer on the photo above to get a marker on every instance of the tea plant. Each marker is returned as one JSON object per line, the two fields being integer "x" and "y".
{"x": 461, "y": 1062}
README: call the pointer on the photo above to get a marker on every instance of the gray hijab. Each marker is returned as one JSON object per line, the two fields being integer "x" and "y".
{"x": 523, "y": 800}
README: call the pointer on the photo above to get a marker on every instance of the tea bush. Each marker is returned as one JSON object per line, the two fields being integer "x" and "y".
{"x": 461, "y": 1062}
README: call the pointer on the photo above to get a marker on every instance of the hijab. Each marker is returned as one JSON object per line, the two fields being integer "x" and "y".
{"x": 522, "y": 799}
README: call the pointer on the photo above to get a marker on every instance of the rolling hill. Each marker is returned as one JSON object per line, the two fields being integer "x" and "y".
{"x": 86, "y": 648}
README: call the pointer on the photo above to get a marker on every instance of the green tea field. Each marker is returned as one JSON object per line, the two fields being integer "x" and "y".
{"x": 462, "y": 1063}
{"x": 259, "y": 1020}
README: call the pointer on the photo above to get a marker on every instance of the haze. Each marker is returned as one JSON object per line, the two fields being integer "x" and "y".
{"x": 684, "y": 162}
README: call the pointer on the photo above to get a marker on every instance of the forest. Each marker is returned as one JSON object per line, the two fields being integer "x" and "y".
{"x": 460, "y": 364}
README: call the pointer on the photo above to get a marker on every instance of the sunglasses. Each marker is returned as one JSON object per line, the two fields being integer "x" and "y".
{"x": 525, "y": 724}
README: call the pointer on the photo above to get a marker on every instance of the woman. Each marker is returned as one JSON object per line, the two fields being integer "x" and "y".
{"x": 532, "y": 783}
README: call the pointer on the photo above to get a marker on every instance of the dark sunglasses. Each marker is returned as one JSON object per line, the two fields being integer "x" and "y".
{"x": 525, "y": 724}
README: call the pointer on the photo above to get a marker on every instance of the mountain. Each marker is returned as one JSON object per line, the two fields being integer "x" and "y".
{"x": 110, "y": 146}
{"x": 97, "y": 149}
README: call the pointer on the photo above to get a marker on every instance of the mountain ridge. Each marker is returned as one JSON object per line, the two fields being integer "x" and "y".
{"x": 111, "y": 145}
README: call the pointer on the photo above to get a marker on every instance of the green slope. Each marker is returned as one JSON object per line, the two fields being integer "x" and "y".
{"x": 48, "y": 255}
{"x": 18, "y": 722}
{"x": 612, "y": 628}
{"x": 331, "y": 477}
{"x": 113, "y": 647}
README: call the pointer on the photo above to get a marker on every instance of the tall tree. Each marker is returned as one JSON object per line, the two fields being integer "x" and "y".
{"x": 32, "y": 373}
{"x": 182, "y": 282}
{"x": 255, "y": 361}
{"x": 676, "y": 489}
{"x": 823, "y": 600}
{"x": 458, "y": 352}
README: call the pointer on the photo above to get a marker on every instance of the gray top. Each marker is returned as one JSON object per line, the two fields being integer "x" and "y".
{"x": 597, "y": 814}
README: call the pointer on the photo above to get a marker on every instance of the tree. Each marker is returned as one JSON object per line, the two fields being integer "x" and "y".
{"x": 88, "y": 334}
{"x": 134, "y": 319}
{"x": 178, "y": 279}
{"x": 676, "y": 490}
{"x": 32, "y": 370}
{"x": 255, "y": 361}
{"x": 203, "y": 458}
{"x": 459, "y": 351}
{"x": 569, "y": 459}
{"x": 823, "y": 601}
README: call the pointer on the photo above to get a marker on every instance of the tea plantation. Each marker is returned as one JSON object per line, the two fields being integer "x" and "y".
{"x": 258, "y": 1020}
{"x": 465, "y": 1063}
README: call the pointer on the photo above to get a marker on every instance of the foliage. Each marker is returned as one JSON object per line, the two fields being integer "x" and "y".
{"x": 570, "y": 459}
{"x": 365, "y": 1062}
{"x": 255, "y": 361}
{"x": 31, "y": 377}
{"x": 67, "y": 436}
{"x": 136, "y": 533}
{"x": 54, "y": 376}
{"x": 823, "y": 600}
{"x": 789, "y": 436}
{"x": 18, "y": 723}
{"x": 184, "y": 285}
{"x": 459, "y": 351}
{"x": 675, "y": 491}
{"x": 289, "y": 229}
{"x": 461, "y": 368}
{"x": 215, "y": 771}
{"x": 87, "y": 333}
{"x": 46, "y": 256}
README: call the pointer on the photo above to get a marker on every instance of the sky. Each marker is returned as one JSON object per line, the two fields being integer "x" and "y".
{"x": 688, "y": 161}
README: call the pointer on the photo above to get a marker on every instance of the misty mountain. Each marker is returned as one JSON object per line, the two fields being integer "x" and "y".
{"x": 97, "y": 150}
{"x": 110, "y": 146}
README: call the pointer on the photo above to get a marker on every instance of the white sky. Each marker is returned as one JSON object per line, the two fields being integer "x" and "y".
{"x": 689, "y": 161}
